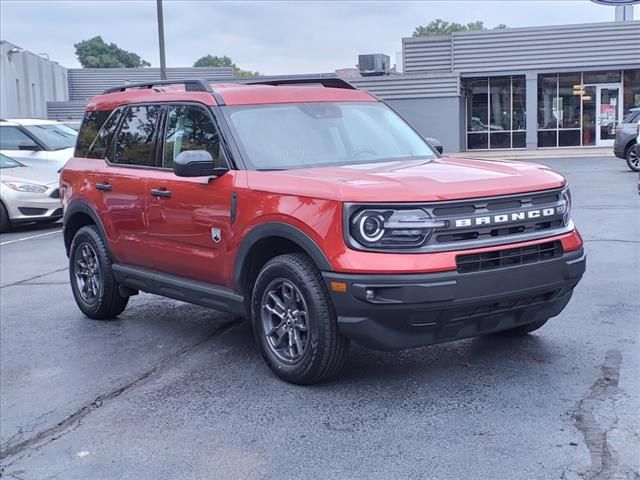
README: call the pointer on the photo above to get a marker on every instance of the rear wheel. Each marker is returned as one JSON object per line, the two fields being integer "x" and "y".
{"x": 94, "y": 287}
{"x": 5, "y": 221}
{"x": 633, "y": 158}
{"x": 523, "y": 329}
{"x": 294, "y": 321}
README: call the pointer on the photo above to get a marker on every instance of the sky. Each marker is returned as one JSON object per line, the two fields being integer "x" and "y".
{"x": 272, "y": 37}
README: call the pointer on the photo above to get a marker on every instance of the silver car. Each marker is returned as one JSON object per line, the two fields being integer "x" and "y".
{"x": 26, "y": 195}
{"x": 626, "y": 134}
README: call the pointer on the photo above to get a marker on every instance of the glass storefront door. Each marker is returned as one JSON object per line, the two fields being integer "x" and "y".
{"x": 608, "y": 114}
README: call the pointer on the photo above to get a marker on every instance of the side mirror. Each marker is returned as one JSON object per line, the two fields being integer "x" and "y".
{"x": 32, "y": 147}
{"x": 196, "y": 163}
{"x": 435, "y": 144}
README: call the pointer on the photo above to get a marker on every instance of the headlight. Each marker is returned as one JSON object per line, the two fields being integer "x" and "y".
{"x": 26, "y": 187}
{"x": 381, "y": 228}
{"x": 565, "y": 205}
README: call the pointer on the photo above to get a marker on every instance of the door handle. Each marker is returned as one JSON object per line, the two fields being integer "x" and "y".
{"x": 105, "y": 186}
{"x": 160, "y": 192}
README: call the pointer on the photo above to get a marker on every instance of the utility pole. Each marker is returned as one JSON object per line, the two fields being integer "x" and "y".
{"x": 163, "y": 64}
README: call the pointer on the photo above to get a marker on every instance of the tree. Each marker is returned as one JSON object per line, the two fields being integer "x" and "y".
{"x": 215, "y": 61}
{"x": 95, "y": 53}
{"x": 440, "y": 27}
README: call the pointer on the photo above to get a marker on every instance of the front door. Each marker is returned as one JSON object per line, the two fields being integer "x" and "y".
{"x": 189, "y": 219}
{"x": 608, "y": 114}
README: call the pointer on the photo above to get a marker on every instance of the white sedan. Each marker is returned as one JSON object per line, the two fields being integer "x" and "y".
{"x": 45, "y": 145}
{"x": 26, "y": 195}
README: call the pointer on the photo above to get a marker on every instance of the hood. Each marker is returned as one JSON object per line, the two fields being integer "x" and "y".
{"x": 29, "y": 175}
{"x": 446, "y": 178}
{"x": 61, "y": 156}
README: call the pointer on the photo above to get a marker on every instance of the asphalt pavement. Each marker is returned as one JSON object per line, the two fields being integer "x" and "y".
{"x": 173, "y": 391}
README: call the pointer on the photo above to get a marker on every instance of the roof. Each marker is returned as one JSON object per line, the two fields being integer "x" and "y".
{"x": 27, "y": 121}
{"x": 213, "y": 92}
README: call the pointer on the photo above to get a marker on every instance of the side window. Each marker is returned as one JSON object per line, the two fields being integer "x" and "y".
{"x": 103, "y": 139}
{"x": 190, "y": 128}
{"x": 91, "y": 124}
{"x": 12, "y": 138}
{"x": 135, "y": 141}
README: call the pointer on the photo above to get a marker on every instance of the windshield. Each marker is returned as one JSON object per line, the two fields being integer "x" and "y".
{"x": 53, "y": 136}
{"x": 6, "y": 162}
{"x": 299, "y": 135}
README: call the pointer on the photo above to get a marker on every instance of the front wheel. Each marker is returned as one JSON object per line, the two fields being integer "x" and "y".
{"x": 94, "y": 288}
{"x": 294, "y": 321}
{"x": 5, "y": 221}
{"x": 633, "y": 158}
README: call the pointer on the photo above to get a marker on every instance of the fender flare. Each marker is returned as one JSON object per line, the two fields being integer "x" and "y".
{"x": 277, "y": 229}
{"x": 80, "y": 206}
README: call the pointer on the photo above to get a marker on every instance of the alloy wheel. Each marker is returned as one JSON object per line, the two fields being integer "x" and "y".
{"x": 634, "y": 158}
{"x": 87, "y": 273}
{"x": 284, "y": 315}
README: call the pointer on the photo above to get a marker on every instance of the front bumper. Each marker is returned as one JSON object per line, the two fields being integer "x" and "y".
{"x": 32, "y": 207}
{"x": 421, "y": 309}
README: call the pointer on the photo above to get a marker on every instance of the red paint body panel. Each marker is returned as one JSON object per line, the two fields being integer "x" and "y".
{"x": 234, "y": 94}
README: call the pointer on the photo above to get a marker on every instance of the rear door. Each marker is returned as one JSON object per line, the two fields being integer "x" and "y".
{"x": 121, "y": 182}
{"x": 189, "y": 218}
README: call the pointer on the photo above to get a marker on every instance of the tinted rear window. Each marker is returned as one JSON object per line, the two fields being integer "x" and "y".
{"x": 89, "y": 129}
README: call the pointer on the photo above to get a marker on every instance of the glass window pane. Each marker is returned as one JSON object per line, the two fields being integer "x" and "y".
{"x": 588, "y": 116}
{"x": 477, "y": 141}
{"x": 499, "y": 140}
{"x": 477, "y": 101}
{"x": 569, "y": 93}
{"x": 547, "y": 101}
{"x": 500, "y": 103}
{"x": 519, "y": 113}
{"x": 547, "y": 139}
{"x": 12, "y": 138}
{"x": 569, "y": 138}
{"x": 135, "y": 140}
{"x": 631, "y": 90}
{"x": 89, "y": 129}
{"x": 519, "y": 139}
{"x": 190, "y": 128}
{"x": 602, "y": 77}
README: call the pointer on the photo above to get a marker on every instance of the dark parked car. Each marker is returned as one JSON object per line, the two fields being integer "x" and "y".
{"x": 626, "y": 134}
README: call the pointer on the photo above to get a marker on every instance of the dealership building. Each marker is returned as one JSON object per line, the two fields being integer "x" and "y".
{"x": 518, "y": 88}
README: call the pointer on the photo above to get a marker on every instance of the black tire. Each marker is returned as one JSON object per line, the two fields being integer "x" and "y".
{"x": 324, "y": 348}
{"x": 523, "y": 329}
{"x": 107, "y": 302}
{"x": 5, "y": 221}
{"x": 633, "y": 157}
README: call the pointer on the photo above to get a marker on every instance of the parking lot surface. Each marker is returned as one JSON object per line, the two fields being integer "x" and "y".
{"x": 175, "y": 391}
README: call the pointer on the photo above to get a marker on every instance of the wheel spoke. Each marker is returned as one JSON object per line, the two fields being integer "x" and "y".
{"x": 288, "y": 294}
{"x": 297, "y": 341}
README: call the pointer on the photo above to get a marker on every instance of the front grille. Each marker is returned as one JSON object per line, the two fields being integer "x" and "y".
{"x": 505, "y": 305}
{"x": 32, "y": 211}
{"x": 55, "y": 193}
{"x": 478, "y": 217}
{"x": 478, "y": 262}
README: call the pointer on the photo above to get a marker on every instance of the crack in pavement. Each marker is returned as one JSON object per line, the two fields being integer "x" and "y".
{"x": 595, "y": 435}
{"x": 20, "y": 282}
{"x": 71, "y": 422}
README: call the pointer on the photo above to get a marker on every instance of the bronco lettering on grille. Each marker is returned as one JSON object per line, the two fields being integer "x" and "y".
{"x": 507, "y": 217}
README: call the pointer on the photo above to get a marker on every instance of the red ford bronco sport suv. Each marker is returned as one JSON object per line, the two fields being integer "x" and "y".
{"x": 313, "y": 209}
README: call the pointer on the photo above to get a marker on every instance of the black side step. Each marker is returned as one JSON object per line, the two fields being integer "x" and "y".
{"x": 179, "y": 288}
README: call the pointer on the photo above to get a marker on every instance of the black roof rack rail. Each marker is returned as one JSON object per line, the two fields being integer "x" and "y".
{"x": 328, "y": 82}
{"x": 190, "y": 85}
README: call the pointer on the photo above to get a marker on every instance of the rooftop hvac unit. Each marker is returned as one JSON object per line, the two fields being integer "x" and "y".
{"x": 374, "y": 64}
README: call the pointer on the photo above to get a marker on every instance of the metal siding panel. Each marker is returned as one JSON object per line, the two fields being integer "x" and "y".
{"x": 576, "y": 46}
{"x": 411, "y": 86}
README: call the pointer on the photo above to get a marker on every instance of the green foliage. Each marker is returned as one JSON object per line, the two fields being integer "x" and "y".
{"x": 95, "y": 53}
{"x": 215, "y": 61}
{"x": 439, "y": 27}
